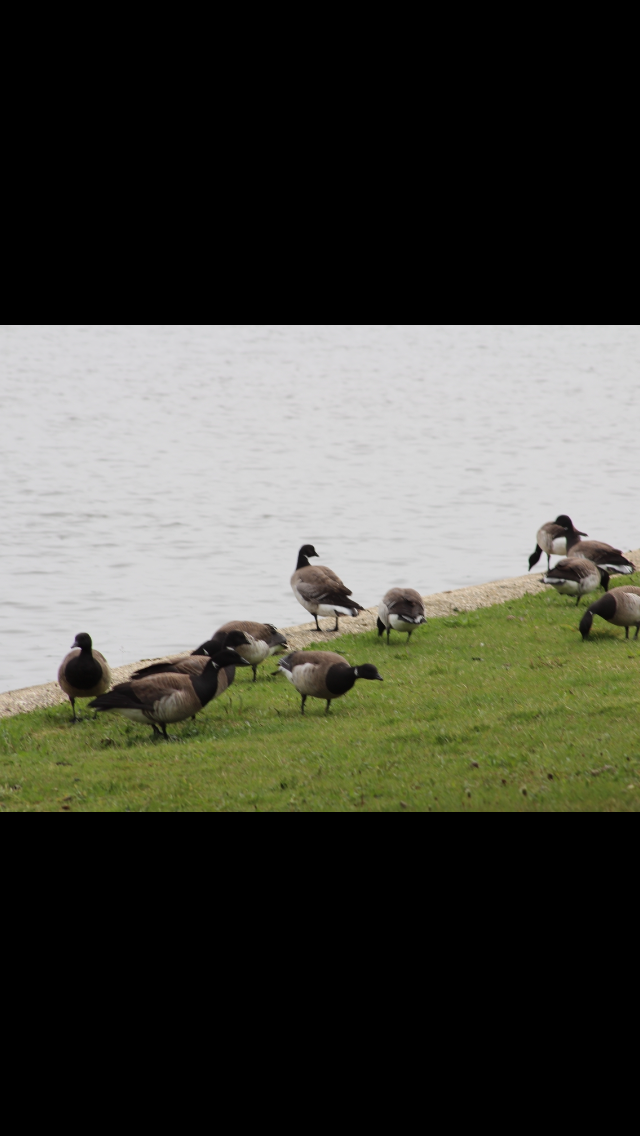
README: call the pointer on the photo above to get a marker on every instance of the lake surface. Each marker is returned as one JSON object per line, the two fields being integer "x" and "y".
{"x": 157, "y": 481}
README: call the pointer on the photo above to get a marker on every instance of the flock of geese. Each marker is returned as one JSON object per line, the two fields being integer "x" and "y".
{"x": 586, "y": 566}
{"x": 179, "y": 688}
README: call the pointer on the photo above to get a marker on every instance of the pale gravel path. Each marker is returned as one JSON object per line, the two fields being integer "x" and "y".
{"x": 441, "y": 603}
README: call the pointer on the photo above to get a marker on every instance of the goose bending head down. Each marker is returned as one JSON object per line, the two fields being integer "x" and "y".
{"x": 621, "y": 606}
{"x": 319, "y": 590}
{"x": 400, "y": 609}
{"x": 576, "y": 577}
{"x": 169, "y": 696}
{"x": 83, "y": 673}
{"x": 323, "y": 674}
{"x": 552, "y": 539}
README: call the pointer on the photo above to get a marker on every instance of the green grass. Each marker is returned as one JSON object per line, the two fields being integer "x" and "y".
{"x": 500, "y": 709}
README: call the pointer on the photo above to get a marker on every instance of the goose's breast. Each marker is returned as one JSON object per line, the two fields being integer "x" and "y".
{"x": 399, "y": 624}
{"x": 559, "y": 546}
{"x": 254, "y": 652}
{"x": 566, "y": 587}
{"x": 173, "y": 707}
{"x": 306, "y": 679}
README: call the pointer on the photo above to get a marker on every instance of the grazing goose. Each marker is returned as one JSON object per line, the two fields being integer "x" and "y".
{"x": 170, "y": 697}
{"x": 400, "y": 609}
{"x": 576, "y": 576}
{"x": 604, "y": 555}
{"x": 320, "y": 590}
{"x": 263, "y": 640}
{"x": 195, "y": 663}
{"x": 323, "y": 674}
{"x": 621, "y": 606}
{"x": 83, "y": 672}
{"x": 552, "y": 539}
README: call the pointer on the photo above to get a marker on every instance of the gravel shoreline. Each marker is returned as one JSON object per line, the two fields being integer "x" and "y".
{"x": 438, "y": 604}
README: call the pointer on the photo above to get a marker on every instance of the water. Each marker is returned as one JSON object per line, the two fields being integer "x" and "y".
{"x": 157, "y": 481}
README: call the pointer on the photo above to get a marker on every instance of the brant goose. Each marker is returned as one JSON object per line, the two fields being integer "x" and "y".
{"x": 604, "y": 555}
{"x": 621, "y": 606}
{"x": 263, "y": 640}
{"x": 323, "y": 674}
{"x": 83, "y": 673}
{"x": 319, "y": 590}
{"x": 552, "y": 539}
{"x": 575, "y": 577}
{"x": 169, "y": 697}
{"x": 400, "y": 609}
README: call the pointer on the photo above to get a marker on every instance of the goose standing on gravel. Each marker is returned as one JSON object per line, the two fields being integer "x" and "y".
{"x": 323, "y": 674}
{"x": 319, "y": 590}
{"x": 169, "y": 697}
{"x": 263, "y": 640}
{"x": 195, "y": 663}
{"x": 621, "y": 606}
{"x": 576, "y": 577}
{"x": 83, "y": 673}
{"x": 400, "y": 609}
{"x": 552, "y": 539}
{"x": 604, "y": 555}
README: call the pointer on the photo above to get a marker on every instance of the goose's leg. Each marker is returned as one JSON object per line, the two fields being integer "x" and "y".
{"x": 73, "y": 707}
{"x": 304, "y": 699}
{"x": 637, "y": 630}
{"x": 409, "y": 634}
{"x": 336, "y": 626}
{"x": 164, "y": 730}
{"x": 388, "y": 634}
{"x": 328, "y": 706}
{"x": 577, "y": 600}
{"x": 317, "y": 624}
{"x": 255, "y": 672}
{"x": 548, "y": 563}
{"x": 626, "y": 632}
{"x": 156, "y": 730}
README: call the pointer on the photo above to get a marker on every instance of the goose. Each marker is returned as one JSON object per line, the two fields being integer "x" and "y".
{"x": 604, "y": 555}
{"x": 195, "y": 663}
{"x": 169, "y": 697}
{"x": 400, "y": 609}
{"x": 83, "y": 673}
{"x": 552, "y": 539}
{"x": 319, "y": 590}
{"x": 323, "y": 674}
{"x": 576, "y": 576}
{"x": 263, "y": 640}
{"x": 621, "y": 606}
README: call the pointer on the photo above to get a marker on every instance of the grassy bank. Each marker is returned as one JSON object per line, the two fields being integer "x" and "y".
{"x": 504, "y": 708}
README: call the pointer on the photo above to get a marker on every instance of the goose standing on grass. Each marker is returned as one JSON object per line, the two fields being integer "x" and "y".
{"x": 83, "y": 673}
{"x": 169, "y": 697}
{"x": 263, "y": 640}
{"x": 319, "y": 590}
{"x": 604, "y": 555}
{"x": 400, "y": 609}
{"x": 621, "y": 606}
{"x": 552, "y": 539}
{"x": 575, "y": 577}
{"x": 323, "y": 674}
{"x": 195, "y": 663}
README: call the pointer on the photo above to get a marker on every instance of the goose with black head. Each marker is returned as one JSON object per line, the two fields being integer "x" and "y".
{"x": 323, "y": 674}
{"x": 319, "y": 590}
{"x": 84, "y": 672}
{"x": 169, "y": 696}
